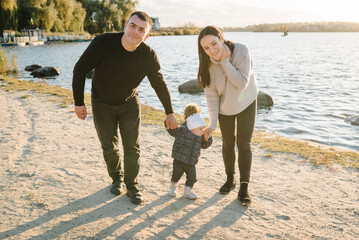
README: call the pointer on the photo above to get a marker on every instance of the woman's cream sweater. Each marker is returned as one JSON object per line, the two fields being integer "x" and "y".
{"x": 233, "y": 85}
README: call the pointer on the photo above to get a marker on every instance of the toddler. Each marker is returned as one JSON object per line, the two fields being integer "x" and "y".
{"x": 187, "y": 149}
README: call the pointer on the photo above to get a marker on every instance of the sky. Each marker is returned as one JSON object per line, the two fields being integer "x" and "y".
{"x": 241, "y": 13}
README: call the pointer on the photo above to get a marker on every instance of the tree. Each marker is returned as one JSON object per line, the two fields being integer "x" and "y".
{"x": 127, "y": 7}
{"x": 107, "y": 15}
{"x": 8, "y": 13}
{"x": 53, "y": 15}
{"x": 94, "y": 16}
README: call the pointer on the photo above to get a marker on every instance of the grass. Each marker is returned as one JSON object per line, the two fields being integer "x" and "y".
{"x": 64, "y": 96}
{"x": 7, "y": 65}
{"x": 314, "y": 153}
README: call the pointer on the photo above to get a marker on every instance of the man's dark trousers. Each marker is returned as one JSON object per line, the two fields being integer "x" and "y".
{"x": 125, "y": 117}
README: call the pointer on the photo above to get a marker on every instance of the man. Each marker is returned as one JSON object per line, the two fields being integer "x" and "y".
{"x": 121, "y": 61}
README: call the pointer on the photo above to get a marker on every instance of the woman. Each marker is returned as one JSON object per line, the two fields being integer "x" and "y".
{"x": 225, "y": 72}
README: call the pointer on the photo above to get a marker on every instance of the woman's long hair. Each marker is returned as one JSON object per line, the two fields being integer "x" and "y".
{"x": 203, "y": 77}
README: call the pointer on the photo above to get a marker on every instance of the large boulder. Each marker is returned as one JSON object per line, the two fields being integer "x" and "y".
{"x": 190, "y": 87}
{"x": 264, "y": 100}
{"x": 46, "y": 72}
{"x": 32, "y": 67}
{"x": 353, "y": 120}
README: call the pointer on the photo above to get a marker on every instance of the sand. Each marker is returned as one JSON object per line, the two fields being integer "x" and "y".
{"x": 54, "y": 185}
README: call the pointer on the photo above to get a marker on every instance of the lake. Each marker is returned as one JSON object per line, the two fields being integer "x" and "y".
{"x": 312, "y": 77}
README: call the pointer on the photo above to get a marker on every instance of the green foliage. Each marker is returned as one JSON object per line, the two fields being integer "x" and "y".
{"x": 107, "y": 15}
{"x": 10, "y": 5}
{"x": 179, "y": 32}
{"x": 7, "y": 66}
{"x": 187, "y": 29}
{"x": 299, "y": 27}
{"x": 93, "y": 16}
{"x": 3, "y": 61}
{"x": 58, "y": 15}
{"x": 8, "y": 15}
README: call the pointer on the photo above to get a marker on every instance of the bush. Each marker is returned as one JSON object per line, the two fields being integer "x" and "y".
{"x": 187, "y": 31}
{"x": 178, "y": 32}
{"x": 155, "y": 34}
{"x": 3, "y": 61}
{"x": 5, "y": 67}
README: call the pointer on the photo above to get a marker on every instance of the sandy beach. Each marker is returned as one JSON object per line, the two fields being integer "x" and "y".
{"x": 54, "y": 185}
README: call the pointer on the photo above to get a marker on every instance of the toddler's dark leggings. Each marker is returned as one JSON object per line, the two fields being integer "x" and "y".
{"x": 180, "y": 168}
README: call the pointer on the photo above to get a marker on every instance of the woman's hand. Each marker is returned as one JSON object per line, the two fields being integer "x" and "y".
{"x": 226, "y": 52}
{"x": 207, "y": 133}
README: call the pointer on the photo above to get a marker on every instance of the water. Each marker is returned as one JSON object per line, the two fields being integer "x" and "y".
{"x": 312, "y": 77}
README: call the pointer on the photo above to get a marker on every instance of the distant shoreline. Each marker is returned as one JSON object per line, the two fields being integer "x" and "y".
{"x": 266, "y": 27}
{"x": 298, "y": 27}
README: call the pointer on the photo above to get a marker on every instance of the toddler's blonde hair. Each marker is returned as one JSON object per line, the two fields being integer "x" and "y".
{"x": 191, "y": 109}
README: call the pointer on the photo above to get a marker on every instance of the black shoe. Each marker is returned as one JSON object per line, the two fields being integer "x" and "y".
{"x": 229, "y": 185}
{"x": 243, "y": 194}
{"x": 116, "y": 188}
{"x": 135, "y": 195}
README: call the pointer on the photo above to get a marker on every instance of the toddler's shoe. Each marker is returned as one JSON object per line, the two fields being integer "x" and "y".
{"x": 173, "y": 189}
{"x": 188, "y": 193}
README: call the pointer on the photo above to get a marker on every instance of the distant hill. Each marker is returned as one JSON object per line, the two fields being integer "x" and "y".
{"x": 299, "y": 27}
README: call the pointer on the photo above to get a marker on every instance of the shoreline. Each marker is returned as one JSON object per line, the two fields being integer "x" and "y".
{"x": 314, "y": 152}
{"x": 286, "y": 116}
{"x": 55, "y": 186}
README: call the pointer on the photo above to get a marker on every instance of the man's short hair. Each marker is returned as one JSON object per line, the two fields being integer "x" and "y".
{"x": 143, "y": 16}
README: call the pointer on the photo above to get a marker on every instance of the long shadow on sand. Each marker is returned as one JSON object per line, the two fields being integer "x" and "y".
{"x": 232, "y": 213}
{"x": 129, "y": 234}
{"x": 227, "y": 217}
{"x": 87, "y": 202}
{"x": 105, "y": 205}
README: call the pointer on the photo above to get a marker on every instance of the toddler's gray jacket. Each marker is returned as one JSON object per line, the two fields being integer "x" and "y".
{"x": 187, "y": 146}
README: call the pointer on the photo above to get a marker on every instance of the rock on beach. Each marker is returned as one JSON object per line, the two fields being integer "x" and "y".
{"x": 353, "y": 120}
{"x": 32, "y": 67}
{"x": 46, "y": 72}
{"x": 264, "y": 100}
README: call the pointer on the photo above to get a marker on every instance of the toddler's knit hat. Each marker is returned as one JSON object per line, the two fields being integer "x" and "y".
{"x": 195, "y": 120}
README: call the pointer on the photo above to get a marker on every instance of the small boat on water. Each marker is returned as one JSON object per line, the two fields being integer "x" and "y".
{"x": 285, "y": 32}
{"x": 7, "y": 44}
{"x": 36, "y": 43}
{"x": 20, "y": 44}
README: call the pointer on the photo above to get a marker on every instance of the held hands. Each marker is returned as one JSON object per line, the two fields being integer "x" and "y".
{"x": 226, "y": 52}
{"x": 81, "y": 112}
{"x": 171, "y": 122}
{"x": 207, "y": 133}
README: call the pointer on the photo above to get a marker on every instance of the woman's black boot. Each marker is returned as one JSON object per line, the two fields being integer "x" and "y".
{"x": 243, "y": 194}
{"x": 229, "y": 185}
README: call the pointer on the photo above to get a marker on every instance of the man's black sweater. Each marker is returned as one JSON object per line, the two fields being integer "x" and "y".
{"x": 118, "y": 72}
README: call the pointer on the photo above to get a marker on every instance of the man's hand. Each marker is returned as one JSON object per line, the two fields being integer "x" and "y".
{"x": 171, "y": 122}
{"x": 81, "y": 112}
{"x": 207, "y": 133}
